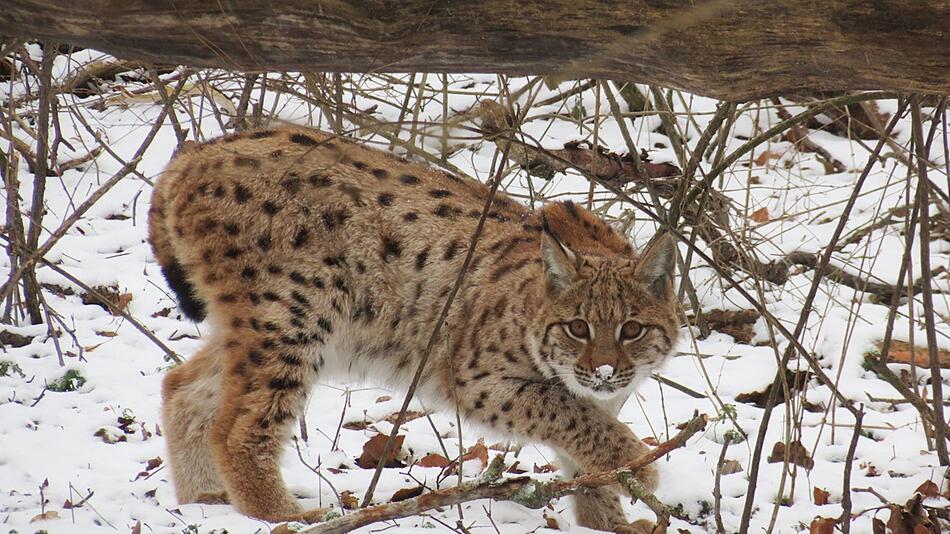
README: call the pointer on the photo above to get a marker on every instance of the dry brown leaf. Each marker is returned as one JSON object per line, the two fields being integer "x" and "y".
{"x": 820, "y": 496}
{"x": 406, "y": 493}
{"x": 105, "y": 333}
{"x": 546, "y": 468}
{"x": 123, "y": 300}
{"x": 651, "y": 441}
{"x": 551, "y": 522}
{"x": 383, "y": 398}
{"x": 349, "y": 501}
{"x": 822, "y": 525}
{"x": 761, "y": 215}
{"x": 373, "y": 452}
{"x": 762, "y": 159}
{"x": 730, "y": 467}
{"x": 478, "y": 451}
{"x": 514, "y": 469}
{"x": 899, "y": 352}
{"x": 433, "y": 460}
{"x": 797, "y": 454}
{"x": 47, "y": 515}
{"x": 928, "y": 489}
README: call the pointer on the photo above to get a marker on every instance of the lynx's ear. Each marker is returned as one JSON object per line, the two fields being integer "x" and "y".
{"x": 560, "y": 263}
{"x": 655, "y": 265}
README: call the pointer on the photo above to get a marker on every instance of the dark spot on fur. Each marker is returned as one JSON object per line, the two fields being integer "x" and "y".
{"x": 382, "y": 174}
{"x": 440, "y": 193}
{"x": 274, "y": 269}
{"x": 390, "y": 248}
{"x": 385, "y": 199}
{"x": 261, "y": 134}
{"x": 270, "y": 208}
{"x": 452, "y": 249}
{"x": 255, "y": 357}
{"x": 319, "y": 180}
{"x": 302, "y": 139}
{"x": 335, "y": 217}
{"x": 301, "y": 237}
{"x": 421, "y": 258}
{"x": 232, "y": 252}
{"x": 297, "y": 278}
{"x": 447, "y": 211}
{"x": 284, "y": 383}
{"x": 290, "y": 359}
{"x": 409, "y": 179}
{"x": 264, "y": 243}
{"x": 359, "y": 165}
{"x": 271, "y": 296}
{"x": 242, "y": 161}
{"x": 249, "y": 273}
{"x": 232, "y": 229}
{"x": 410, "y": 216}
{"x": 292, "y": 184}
{"x": 324, "y": 324}
{"x": 241, "y": 194}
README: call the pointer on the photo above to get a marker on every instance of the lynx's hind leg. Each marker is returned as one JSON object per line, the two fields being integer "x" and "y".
{"x": 191, "y": 394}
{"x": 266, "y": 383}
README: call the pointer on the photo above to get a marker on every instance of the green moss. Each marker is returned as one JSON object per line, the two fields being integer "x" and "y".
{"x": 70, "y": 381}
{"x": 7, "y": 368}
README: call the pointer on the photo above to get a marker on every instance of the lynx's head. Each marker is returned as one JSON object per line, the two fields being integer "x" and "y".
{"x": 607, "y": 320}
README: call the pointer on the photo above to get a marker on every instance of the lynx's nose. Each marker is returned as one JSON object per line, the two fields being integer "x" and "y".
{"x": 604, "y": 372}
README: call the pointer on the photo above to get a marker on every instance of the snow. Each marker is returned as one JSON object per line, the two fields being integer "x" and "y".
{"x": 50, "y": 453}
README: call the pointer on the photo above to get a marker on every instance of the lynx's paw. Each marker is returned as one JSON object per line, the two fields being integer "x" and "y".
{"x": 641, "y": 526}
{"x": 315, "y": 515}
{"x": 214, "y": 497}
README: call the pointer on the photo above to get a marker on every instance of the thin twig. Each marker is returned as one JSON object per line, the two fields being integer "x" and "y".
{"x": 522, "y": 490}
{"x": 845, "y": 520}
{"x": 387, "y": 450}
{"x": 800, "y": 327}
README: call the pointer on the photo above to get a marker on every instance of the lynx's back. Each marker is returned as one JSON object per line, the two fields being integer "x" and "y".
{"x": 313, "y": 255}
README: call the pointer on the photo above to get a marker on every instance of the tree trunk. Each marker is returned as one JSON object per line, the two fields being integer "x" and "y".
{"x": 726, "y": 49}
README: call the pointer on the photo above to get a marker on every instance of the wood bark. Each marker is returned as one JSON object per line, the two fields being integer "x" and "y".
{"x": 727, "y": 49}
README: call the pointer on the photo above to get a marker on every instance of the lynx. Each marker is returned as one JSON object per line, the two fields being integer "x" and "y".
{"x": 313, "y": 256}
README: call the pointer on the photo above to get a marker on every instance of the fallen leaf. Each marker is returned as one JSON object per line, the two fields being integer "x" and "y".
{"x": 820, "y": 496}
{"x": 164, "y": 312}
{"x": 761, "y": 215}
{"x": 546, "y": 468}
{"x": 349, "y": 501}
{"x": 551, "y": 522}
{"x": 122, "y": 302}
{"x": 373, "y": 452}
{"x": 406, "y": 493}
{"x": 478, "y": 451}
{"x": 762, "y": 159}
{"x": 731, "y": 466}
{"x": 151, "y": 492}
{"x": 899, "y": 352}
{"x": 797, "y": 454}
{"x": 383, "y": 398}
{"x": 47, "y": 515}
{"x": 433, "y": 460}
{"x": 928, "y": 489}
{"x": 514, "y": 469}
{"x": 822, "y": 525}
{"x": 651, "y": 441}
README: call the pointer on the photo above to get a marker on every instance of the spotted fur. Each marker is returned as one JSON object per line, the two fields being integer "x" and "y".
{"x": 314, "y": 256}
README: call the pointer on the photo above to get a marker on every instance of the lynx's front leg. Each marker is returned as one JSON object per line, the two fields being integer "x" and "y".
{"x": 592, "y": 439}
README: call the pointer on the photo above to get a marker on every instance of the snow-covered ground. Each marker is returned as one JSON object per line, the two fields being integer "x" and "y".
{"x": 91, "y": 459}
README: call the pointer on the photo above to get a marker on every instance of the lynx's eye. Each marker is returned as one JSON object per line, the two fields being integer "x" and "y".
{"x": 631, "y": 331}
{"x": 578, "y": 329}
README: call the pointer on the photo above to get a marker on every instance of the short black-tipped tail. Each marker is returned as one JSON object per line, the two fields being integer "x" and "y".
{"x": 188, "y": 301}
